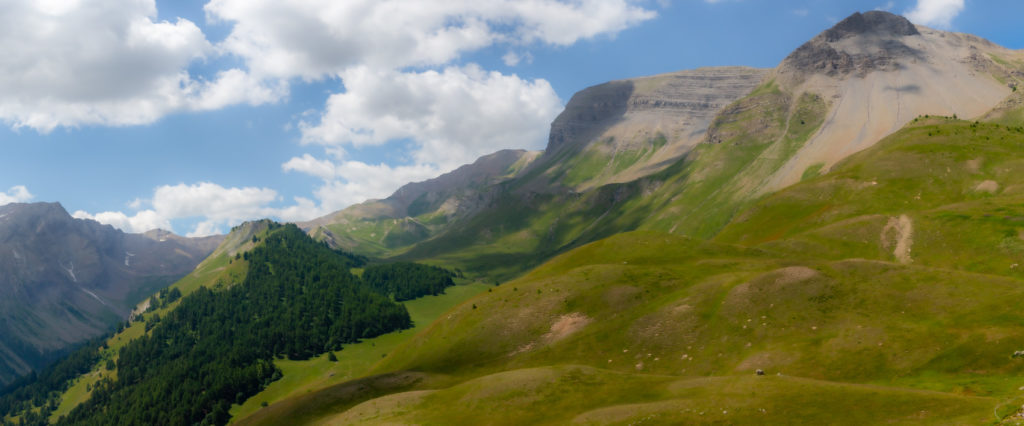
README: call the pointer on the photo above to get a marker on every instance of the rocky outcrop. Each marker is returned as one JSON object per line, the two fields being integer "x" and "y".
{"x": 64, "y": 280}
{"x": 589, "y": 112}
{"x": 857, "y": 45}
{"x": 876, "y": 23}
{"x": 679, "y": 104}
{"x": 638, "y": 126}
{"x": 878, "y": 72}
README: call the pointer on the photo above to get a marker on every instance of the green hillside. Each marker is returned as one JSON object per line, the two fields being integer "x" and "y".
{"x": 697, "y": 196}
{"x": 212, "y": 339}
{"x": 884, "y": 283}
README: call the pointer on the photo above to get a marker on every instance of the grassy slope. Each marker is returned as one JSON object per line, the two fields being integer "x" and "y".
{"x": 355, "y": 360}
{"x": 812, "y": 292}
{"x": 697, "y": 196}
{"x": 218, "y": 270}
{"x": 678, "y": 308}
{"x": 957, "y": 221}
{"x": 576, "y": 394}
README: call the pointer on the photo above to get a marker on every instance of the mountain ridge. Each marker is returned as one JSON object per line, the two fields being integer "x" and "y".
{"x": 67, "y": 280}
{"x": 835, "y": 95}
{"x": 699, "y": 292}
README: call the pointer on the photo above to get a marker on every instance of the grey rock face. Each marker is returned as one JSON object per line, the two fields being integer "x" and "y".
{"x": 877, "y": 23}
{"x": 589, "y": 112}
{"x": 64, "y": 280}
{"x": 857, "y": 45}
{"x": 689, "y": 99}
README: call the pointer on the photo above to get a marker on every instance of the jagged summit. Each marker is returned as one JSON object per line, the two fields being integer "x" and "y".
{"x": 876, "y": 22}
{"x": 878, "y": 71}
{"x": 857, "y": 45}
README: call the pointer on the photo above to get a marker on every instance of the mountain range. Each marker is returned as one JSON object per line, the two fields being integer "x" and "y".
{"x": 683, "y": 152}
{"x": 835, "y": 240}
{"x": 66, "y": 280}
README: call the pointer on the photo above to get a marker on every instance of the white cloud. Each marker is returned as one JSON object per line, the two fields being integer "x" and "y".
{"x": 350, "y": 182}
{"x": 140, "y": 222}
{"x": 211, "y": 201}
{"x": 935, "y": 13}
{"x": 512, "y": 58}
{"x": 454, "y": 116}
{"x": 215, "y": 206}
{"x": 314, "y": 38}
{"x": 70, "y": 63}
{"x": 887, "y": 7}
{"x": 311, "y": 166}
{"x": 17, "y": 194}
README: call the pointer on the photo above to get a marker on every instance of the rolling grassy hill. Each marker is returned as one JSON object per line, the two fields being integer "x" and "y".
{"x": 887, "y": 281}
{"x": 879, "y": 288}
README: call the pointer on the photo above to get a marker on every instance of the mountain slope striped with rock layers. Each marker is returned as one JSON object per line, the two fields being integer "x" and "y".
{"x": 683, "y": 152}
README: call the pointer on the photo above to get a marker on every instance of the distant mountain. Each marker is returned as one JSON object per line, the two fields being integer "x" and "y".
{"x": 849, "y": 232}
{"x": 610, "y": 133}
{"x": 64, "y": 280}
{"x": 625, "y": 129}
{"x": 418, "y": 210}
{"x": 877, "y": 71}
{"x": 684, "y": 152}
{"x": 656, "y": 271}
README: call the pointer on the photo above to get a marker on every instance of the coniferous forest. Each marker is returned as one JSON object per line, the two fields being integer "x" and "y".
{"x": 41, "y": 389}
{"x": 217, "y": 347}
{"x": 406, "y": 280}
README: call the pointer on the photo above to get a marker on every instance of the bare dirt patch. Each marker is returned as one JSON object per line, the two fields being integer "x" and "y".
{"x": 899, "y": 234}
{"x": 566, "y": 325}
{"x": 989, "y": 186}
{"x": 563, "y": 327}
{"x": 793, "y": 274}
{"x": 974, "y": 166}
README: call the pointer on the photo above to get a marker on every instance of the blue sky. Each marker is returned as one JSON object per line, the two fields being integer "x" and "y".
{"x": 196, "y": 115}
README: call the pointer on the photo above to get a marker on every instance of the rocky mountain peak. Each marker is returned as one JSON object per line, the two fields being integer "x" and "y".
{"x": 63, "y": 279}
{"x": 876, "y": 22}
{"x": 858, "y": 45}
{"x": 37, "y": 210}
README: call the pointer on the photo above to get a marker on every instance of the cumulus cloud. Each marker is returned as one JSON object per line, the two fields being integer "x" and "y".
{"x": 140, "y": 222}
{"x": 215, "y": 206}
{"x": 454, "y": 116}
{"x": 350, "y": 182}
{"x": 313, "y": 38}
{"x": 17, "y": 194}
{"x": 70, "y": 63}
{"x": 935, "y": 13}
{"x": 398, "y": 61}
{"x": 512, "y": 58}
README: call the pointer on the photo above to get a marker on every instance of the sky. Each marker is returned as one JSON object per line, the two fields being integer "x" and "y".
{"x": 194, "y": 115}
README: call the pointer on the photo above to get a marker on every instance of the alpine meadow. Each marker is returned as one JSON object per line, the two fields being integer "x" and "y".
{"x": 838, "y": 239}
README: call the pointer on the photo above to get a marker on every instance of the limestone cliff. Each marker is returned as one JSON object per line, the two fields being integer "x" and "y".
{"x": 630, "y": 128}
{"x": 878, "y": 71}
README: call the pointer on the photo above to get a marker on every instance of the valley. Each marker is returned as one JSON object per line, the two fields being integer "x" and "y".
{"x": 837, "y": 240}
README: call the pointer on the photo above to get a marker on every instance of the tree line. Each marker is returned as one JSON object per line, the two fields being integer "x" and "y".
{"x": 298, "y": 300}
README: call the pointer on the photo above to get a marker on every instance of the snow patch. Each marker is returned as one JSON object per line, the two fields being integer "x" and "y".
{"x": 94, "y": 296}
